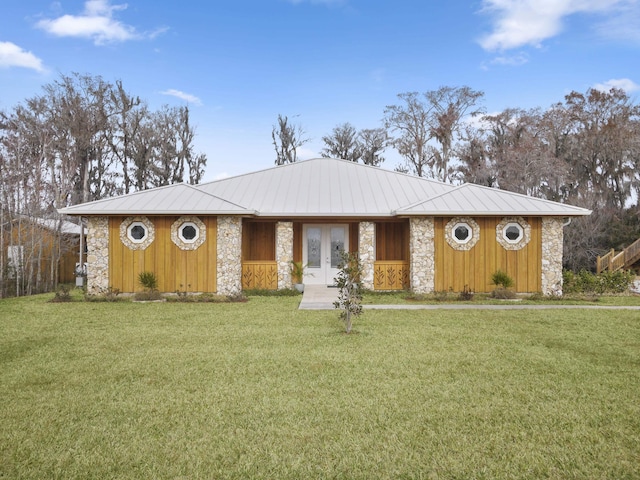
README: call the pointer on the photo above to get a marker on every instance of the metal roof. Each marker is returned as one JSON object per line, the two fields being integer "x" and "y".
{"x": 471, "y": 199}
{"x": 324, "y": 187}
{"x": 177, "y": 199}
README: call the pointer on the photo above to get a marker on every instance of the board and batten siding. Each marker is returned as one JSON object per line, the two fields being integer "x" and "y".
{"x": 456, "y": 269}
{"x": 175, "y": 269}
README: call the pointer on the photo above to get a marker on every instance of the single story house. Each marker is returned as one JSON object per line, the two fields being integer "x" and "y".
{"x": 243, "y": 232}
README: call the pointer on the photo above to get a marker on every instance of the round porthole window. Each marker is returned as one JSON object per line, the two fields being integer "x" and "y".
{"x": 188, "y": 232}
{"x": 137, "y": 232}
{"x": 462, "y": 233}
{"x": 512, "y": 232}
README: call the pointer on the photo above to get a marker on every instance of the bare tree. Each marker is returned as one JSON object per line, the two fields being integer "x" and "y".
{"x": 287, "y": 138}
{"x": 448, "y": 107}
{"x": 410, "y": 120}
{"x": 373, "y": 142}
{"x": 342, "y": 143}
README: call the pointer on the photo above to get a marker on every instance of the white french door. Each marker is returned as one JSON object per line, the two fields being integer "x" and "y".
{"x": 322, "y": 246}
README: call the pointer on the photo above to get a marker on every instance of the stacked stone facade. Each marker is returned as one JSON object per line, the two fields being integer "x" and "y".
{"x": 422, "y": 254}
{"x": 552, "y": 239}
{"x": 284, "y": 253}
{"x": 97, "y": 255}
{"x": 229, "y": 264}
{"x": 367, "y": 252}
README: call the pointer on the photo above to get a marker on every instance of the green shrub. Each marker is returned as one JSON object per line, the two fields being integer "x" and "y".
{"x": 148, "y": 280}
{"x": 501, "y": 279}
{"x": 585, "y": 282}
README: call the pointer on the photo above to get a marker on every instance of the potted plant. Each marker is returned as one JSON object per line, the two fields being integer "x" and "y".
{"x": 297, "y": 275}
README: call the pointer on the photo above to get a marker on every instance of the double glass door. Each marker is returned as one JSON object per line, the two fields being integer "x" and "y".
{"x": 321, "y": 252}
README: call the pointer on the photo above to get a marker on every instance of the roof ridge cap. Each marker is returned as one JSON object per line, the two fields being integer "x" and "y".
{"x": 414, "y": 204}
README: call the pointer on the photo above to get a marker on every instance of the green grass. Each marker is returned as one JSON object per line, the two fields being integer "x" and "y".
{"x": 262, "y": 390}
{"x": 406, "y": 298}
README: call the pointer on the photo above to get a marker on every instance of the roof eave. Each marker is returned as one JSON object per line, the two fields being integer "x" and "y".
{"x": 106, "y": 213}
{"x": 502, "y": 213}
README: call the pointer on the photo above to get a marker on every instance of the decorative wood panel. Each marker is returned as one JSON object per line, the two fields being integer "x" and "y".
{"x": 455, "y": 270}
{"x": 261, "y": 275}
{"x": 390, "y": 275}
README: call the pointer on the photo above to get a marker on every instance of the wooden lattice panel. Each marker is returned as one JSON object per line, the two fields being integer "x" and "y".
{"x": 259, "y": 275}
{"x": 391, "y": 275}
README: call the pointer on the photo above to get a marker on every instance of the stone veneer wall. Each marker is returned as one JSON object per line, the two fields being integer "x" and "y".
{"x": 229, "y": 261}
{"x": 367, "y": 252}
{"x": 422, "y": 254}
{"x": 284, "y": 253}
{"x": 552, "y": 238}
{"x": 97, "y": 255}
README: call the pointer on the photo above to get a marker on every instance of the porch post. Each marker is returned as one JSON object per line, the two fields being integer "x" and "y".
{"x": 552, "y": 238}
{"x": 284, "y": 253}
{"x": 229, "y": 264}
{"x": 97, "y": 255}
{"x": 367, "y": 252}
{"x": 422, "y": 254}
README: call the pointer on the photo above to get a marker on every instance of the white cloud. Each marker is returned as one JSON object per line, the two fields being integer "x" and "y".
{"x": 96, "y": 23}
{"x": 11, "y": 55}
{"x": 187, "y": 97}
{"x": 529, "y": 22}
{"x": 622, "y": 83}
{"x": 511, "y": 60}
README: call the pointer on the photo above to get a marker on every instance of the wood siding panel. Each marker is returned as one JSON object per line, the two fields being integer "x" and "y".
{"x": 176, "y": 269}
{"x": 392, "y": 241}
{"x": 455, "y": 269}
{"x": 258, "y": 240}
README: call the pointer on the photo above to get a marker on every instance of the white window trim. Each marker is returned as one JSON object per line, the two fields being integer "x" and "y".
{"x": 189, "y": 240}
{"x": 469, "y": 229}
{"x": 130, "y": 235}
{"x": 520, "y": 230}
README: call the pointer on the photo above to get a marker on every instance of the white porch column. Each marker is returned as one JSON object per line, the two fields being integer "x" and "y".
{"x": 284, "y": 253}
{"x": 367, "y": 252}
{"x": 97, "y": 255}
{"x": 229, "y": 264}
{"x": 552, "y": 238}
{"x": 422, "y": 254}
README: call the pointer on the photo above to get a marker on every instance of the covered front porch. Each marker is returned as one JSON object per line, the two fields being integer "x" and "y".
{"x": 269, "y": 247}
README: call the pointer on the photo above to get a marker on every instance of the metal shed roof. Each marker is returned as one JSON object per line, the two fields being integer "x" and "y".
{"x": 471, "y": 199}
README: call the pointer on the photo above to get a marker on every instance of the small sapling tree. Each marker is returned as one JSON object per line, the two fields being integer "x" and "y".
{"x": 350, "y": 289}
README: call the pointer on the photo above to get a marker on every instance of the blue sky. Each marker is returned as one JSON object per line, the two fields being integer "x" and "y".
{"x": 240, "y": 63}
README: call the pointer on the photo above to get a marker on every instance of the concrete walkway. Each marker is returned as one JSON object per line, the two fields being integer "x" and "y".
{"x": 318, "y": 297}
{"x": 321, "y": 297}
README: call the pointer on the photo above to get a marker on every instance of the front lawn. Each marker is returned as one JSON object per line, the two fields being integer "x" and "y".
{"x": 262, "y": 390}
